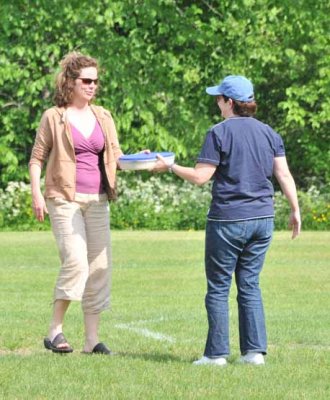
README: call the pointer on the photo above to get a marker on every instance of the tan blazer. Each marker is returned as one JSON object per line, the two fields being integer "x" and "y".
{"x": 53, "y": 143}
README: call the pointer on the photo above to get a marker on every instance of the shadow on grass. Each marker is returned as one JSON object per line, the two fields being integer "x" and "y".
{"x": 155, "y": 357}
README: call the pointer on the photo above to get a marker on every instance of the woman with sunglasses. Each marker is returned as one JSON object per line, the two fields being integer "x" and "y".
{"x": 79, "y": 142}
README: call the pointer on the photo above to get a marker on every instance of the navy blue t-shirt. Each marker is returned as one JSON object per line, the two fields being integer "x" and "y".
{"x": 243, "y": 149}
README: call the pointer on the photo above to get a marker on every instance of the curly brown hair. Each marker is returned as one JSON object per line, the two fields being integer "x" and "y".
{"x": 71, "y": 65}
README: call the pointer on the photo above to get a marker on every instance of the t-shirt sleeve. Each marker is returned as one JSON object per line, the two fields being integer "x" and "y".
{"x": 279, "y": 149}
{"x": 210, "y": 153}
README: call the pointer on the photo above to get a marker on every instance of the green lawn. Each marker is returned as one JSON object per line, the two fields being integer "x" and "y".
{"x": 158, "y": 323}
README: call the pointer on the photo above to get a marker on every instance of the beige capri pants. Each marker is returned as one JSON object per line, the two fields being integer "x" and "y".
{"x": 82, "y": 232}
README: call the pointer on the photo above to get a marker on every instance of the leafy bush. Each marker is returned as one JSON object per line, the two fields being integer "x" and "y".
{"x": 314, "y": 208}
{"x": 160, "y": 202}
{"x": 156, "y": 59}
{"x": 16, "y": 208}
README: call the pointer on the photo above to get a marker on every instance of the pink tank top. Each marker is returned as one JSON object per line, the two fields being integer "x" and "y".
{"x": 88, "y": 153}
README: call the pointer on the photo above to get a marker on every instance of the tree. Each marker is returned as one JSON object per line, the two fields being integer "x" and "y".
{"x": 157, "y": 57}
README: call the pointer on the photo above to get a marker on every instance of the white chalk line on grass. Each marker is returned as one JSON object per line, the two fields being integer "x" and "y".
{"x": 140, "y": 330}
{"x": 137, "y": 328}
{"x": 147, "y": 321}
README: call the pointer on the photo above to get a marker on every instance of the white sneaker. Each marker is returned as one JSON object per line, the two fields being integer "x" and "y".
{"x": 211, "y": 361}
{"x": 253, "y": 358}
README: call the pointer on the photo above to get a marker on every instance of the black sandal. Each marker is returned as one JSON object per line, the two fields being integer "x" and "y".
{"x": 47, "y": 343}
{"x": 53, "y": 345}
{"x": 100, "y": 348}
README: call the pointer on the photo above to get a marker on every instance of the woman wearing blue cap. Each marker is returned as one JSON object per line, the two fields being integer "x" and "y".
{"x": 240, "y": 154}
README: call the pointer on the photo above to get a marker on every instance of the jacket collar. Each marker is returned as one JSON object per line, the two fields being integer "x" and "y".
{"x": 99, "y": 112}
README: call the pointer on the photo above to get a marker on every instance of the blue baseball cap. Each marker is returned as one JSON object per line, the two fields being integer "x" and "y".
{"x": 236, "y": 87}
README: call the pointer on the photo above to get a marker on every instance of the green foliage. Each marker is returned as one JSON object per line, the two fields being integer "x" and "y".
{"x": 314, "y": 208}
{"x": 160, "y": 203}
{"x": 157, "y": 57}
{"x": 16, "y": 208}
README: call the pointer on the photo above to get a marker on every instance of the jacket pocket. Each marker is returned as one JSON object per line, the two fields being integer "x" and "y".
{"x": 63, "y": 174}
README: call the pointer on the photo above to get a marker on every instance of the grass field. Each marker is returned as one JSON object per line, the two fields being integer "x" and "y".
{"x": 158, "y": 325}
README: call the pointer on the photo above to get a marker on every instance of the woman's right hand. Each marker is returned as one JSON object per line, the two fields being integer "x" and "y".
{"x": 39, "y": 206}
{"x": 295, "y": 223}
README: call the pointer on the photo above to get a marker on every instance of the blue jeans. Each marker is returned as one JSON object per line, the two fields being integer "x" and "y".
{"x": 238, "y": 247}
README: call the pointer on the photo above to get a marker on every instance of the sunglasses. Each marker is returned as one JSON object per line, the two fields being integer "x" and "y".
{"x": 88, "y": 81}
